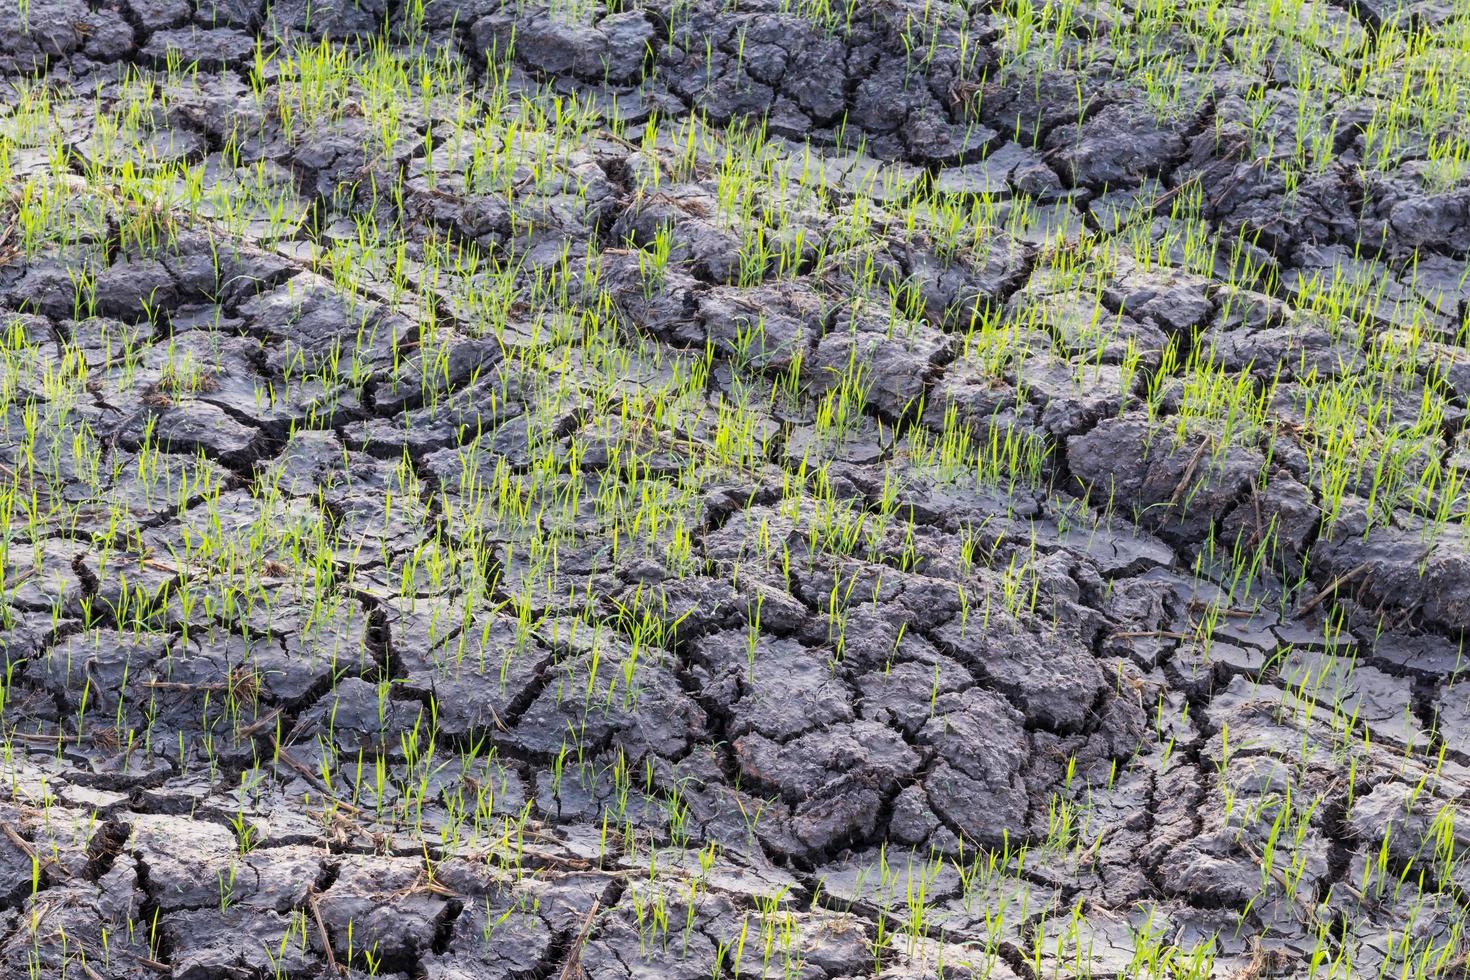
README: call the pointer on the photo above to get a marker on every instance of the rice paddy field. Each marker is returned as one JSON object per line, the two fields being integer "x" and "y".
{"x": 734, "y": 488}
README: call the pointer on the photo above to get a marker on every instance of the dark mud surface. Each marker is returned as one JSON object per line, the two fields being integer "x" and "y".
{"x": 632, "y": 491}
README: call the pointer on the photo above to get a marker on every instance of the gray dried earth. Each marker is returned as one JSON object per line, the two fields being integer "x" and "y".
{"x": 707, "y": 489}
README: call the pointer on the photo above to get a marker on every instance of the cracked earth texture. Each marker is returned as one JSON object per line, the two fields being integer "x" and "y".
{"x": 689, "y": 489}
